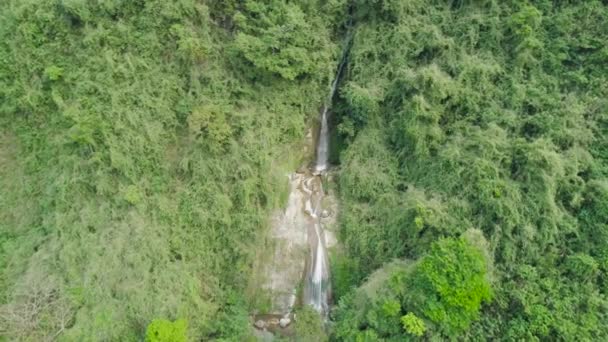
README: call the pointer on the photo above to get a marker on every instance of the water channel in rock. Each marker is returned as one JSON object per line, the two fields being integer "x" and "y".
{"x": 300, "y": 257}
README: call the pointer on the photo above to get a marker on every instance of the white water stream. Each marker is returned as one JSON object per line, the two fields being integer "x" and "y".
{"x": 300, "y": 251}
{"x": 323, "y": 144}
{"x": 317, "y": 287}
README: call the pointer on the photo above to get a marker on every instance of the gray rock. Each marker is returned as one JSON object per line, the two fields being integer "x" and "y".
{"x": 284, "y": 322}
{"x": 325, "y": 213}
{"x": 260, "y": 324}
{"x": 263, "y": 335}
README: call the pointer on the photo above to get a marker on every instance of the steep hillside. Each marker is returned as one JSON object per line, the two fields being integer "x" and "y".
{"x": 484, "y": 122}
{"x": 143, "y": 146}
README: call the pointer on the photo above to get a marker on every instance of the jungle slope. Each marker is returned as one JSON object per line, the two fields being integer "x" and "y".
{"x": 143, "y": 144}
{"x": 474, "y": 146}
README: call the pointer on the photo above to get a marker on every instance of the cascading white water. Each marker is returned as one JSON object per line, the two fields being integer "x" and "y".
{"x": 317, "y": 284}
{"x": 303, "y": 215}
{"x": 323, "y": 145}
{"x": 320, "y": 276}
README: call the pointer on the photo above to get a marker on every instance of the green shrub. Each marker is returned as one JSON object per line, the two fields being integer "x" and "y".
{"x": 280, "y": 38}
{"x": 413, "y": 325}
{"x": 161, "y": 330}
{"x": 450, "y": 284}
{"x": 582, "y": 267}
{"x": 309, "y": 326}
{"x": 445, "y": 288}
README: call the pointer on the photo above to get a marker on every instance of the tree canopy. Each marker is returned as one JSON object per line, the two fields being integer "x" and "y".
{"x": 490, "y": 116}
{"x": 142, "y": 148}
{"x": 144, "y": 144}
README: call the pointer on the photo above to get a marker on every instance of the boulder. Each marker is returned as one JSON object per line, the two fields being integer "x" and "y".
{"x": 260, "y": 324}
{"x": 284, "y": 322}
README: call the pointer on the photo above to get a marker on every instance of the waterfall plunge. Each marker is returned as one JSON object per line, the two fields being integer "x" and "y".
{"x": 323, "y": 145}
{"x": 317, "y": 282}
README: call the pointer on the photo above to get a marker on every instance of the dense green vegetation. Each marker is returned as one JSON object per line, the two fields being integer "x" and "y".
{"x": 475, "y": 121}
{"x": 160, "y": 330}
{"x": 447, "y": 286}
{"x": 309, "y": 326}
{"x": 144, "y": 143}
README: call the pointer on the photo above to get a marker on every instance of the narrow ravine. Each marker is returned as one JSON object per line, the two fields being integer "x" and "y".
{"x": 300, "y": 256}
{"x": 317, "y": 283}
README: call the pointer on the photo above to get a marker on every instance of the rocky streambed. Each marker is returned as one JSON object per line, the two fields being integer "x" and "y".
{"x": 297, "y": 272}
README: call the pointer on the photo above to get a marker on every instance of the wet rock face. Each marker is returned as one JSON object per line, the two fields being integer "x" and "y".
{"x": 283, "y": 270}
{"x": 299, "y": 248}
{"x": 299, "y": 253}
{"x": 317, "y": 288}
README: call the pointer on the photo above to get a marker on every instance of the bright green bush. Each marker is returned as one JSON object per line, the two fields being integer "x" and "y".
{"x": 441, "y": 293}
{"x": 450, "y": 284}
{"x": 413, "y": 325}
{"x": 161, "y": 330}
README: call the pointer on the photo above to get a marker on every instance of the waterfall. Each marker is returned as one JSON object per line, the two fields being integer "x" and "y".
{"x": 300, "y": 227}
{"x": 323, "y": 145}
{"x": 319, "y": 285}
{"x": 317, "y": 282}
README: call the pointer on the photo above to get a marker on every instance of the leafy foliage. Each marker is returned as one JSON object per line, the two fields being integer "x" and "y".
{"x": 279, "y": 37}
{"x": 143, "y": 144}
{"x": 450, "y": 284}
{"x": 413, "y": 325}
{"x": 442, "y": 291}
{"x": 144, "y": 158}
{"x": 309, "y": 326}
{"x": 487, "y": 115}
{"x": 160, "y": 330}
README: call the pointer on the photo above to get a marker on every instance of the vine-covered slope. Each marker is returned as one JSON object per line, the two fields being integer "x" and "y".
{"x": 482, "y": 122}
{"x": 142, "y": 146}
